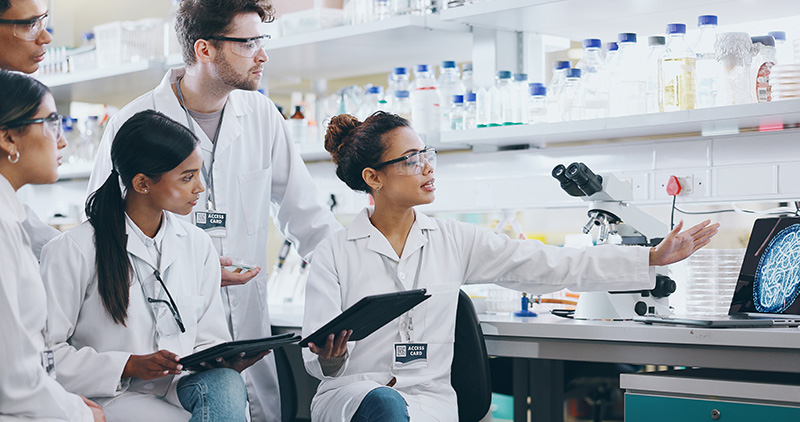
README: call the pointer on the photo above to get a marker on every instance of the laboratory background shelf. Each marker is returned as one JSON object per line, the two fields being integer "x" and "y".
{"x": 726, "y": 120}
{"x": 579, "y": 19}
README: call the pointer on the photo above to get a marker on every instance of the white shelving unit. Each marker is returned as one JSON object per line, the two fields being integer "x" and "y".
{"x": 678, "y": 124}
{"x": 579, "y": 19}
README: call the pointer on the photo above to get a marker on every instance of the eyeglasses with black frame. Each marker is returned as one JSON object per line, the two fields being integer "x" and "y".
{"x": 411, "y": 164}
{"x": 170, "y": 305}
{"x": 51, "y": 123}
{"x": 245, "y": 47}
{"x": 28, "y": 29}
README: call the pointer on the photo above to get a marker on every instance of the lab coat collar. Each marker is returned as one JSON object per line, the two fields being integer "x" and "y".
{"x": 9, "y": 196}
{"x": 166, "y": 239}
{"x": 417, "y": 237}
{"x": 167, "y": 102}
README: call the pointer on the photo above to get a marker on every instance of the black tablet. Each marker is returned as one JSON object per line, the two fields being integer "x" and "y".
{"x": 367, "y": 315}
{"x": 234, "y": 348}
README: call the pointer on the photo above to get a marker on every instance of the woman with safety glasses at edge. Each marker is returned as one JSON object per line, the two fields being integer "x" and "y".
{"x": 134, "y": 288}
{"x": 392, "y": 247}
{"x": 30, "y": 146}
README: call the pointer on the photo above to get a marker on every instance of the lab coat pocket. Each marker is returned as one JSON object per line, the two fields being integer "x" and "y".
{"x": 254, "y": 190}
{"x": 434, "y": 319}
{"x": 190, "y": 307}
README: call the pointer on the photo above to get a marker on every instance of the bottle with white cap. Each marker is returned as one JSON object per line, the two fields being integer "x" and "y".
{"x": 707, "y": 69}
{"x": 628, "y": 86}
{"x": 425, "y": 101}
{"x": 676, "y": 71}
{"x": 595, "y": 79}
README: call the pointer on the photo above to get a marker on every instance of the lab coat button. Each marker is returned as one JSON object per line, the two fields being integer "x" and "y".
{"x": 401, "y": 276}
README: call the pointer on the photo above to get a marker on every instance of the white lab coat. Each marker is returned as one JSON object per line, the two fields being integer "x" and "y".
{"x": 256, "y": 170}
{"x": 91, "y": 350}
{"x": 26, "y": 391}
{"x": 348, "y": 266}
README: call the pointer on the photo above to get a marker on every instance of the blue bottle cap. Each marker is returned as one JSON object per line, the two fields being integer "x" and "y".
{"x": 612, "y": 46}
{"x": 574, "y": 73}
{"x": 503, "y": 74}
{"x": 448, "y": 64}
{"x": 519, "y": 77}
{"x": 676, "y": 28}
{"x": 592, "y": 43}
{"x": 537, "y": 89}
{"x": 706, "y": 20}
{"x": 401, "y": 93}
{"x": 778, "y": 35}
{"x": 626, "y": 37}
{"x": 422, "y": 68}
{"x": 400, "y": 70}
{"x": 458, "y": 99}
{"x": 656, "y": 40}
{"x": 374, "y": 90}
{"x": 764, "y": 39}
{"x": 471, "y": 97}
{"x": 562, "y": 65}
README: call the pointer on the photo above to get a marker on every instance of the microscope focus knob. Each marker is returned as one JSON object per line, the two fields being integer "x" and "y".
{"x": 665, "y": 286}
{"x": 640, "y": 308}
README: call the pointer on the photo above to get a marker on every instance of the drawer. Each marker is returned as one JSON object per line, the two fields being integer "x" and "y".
{"x": 652, "y": 408}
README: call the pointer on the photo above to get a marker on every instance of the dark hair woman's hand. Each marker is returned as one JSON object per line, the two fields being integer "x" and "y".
{"x": 152, "y": 366}
{"x": 334, "y": 347}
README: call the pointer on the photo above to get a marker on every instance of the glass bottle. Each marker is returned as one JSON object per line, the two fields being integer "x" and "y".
{"x": 401, "y": 104}
{"x": 571, "y": 99}
{"x": 483, "y": 106}
{"x": 706, "y": 66}
{"x": 466, "y": 78}
{"x": 554, "y": 90}
{"x": 520, "y": 94}
{"x": 627, "y": 86}
{"x": 425, "y": 101}
{"x": 456, "y": 115}
{"x": 537, "y": 104}
{"x": 449, "y": 84}
{"x": 501, "y": 97}
{"x": 762, "y": 66}
{"x": 734, "y": 50}
{"x": 595, "y": 79}
{"x": 611, "y": 51}
{"x": 471, "y": 111}
{"x": 656, "y": 44}
{"x": 676, "y": 72}
{"x": 298, "y": 126}
{"x": 369, "y": 104}
{"x": 397, "y": 80}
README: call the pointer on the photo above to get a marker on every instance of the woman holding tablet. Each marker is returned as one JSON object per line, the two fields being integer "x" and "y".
{"x": 402, "y": 371}
{"x": 135, "y": 287}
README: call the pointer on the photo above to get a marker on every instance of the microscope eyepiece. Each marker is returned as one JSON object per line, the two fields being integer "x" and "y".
{"x": 588, "y": 182}
{"x": 560, "y": 173}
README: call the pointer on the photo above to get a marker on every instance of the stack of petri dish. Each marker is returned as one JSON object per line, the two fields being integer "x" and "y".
{"x": 785, "y": 81}
{"x": 712, "y": 279}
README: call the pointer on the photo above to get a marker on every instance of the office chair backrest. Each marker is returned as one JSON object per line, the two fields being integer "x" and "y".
{"x": 470, "y": 375}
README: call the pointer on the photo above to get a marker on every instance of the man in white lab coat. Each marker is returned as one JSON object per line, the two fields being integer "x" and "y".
{"x": 23, "y": 37}
{"x": 251, "y": 165}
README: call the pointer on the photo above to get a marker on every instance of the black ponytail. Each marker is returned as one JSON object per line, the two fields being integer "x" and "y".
{"x": 149, "y": 143}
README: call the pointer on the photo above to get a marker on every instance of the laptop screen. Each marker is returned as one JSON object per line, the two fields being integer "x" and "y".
{"x": 769, "y": 281}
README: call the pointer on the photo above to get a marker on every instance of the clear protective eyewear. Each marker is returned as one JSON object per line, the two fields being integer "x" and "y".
{"x": 170, "y": 305}
{"x": 51, "y": 124}
{"x": 411, "y": 164}
{"x": 246, "y": 47}
{"x": 28, "y": 29}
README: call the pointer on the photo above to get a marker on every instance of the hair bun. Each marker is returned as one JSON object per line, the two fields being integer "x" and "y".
{"x": 338, "y": 134}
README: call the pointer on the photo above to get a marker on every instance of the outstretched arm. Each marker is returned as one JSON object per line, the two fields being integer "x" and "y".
{"x": 678, "y": 245}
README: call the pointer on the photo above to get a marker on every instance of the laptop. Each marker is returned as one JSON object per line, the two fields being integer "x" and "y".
{"x": 766, "y": 293}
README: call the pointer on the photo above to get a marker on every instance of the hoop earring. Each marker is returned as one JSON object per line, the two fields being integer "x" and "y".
{"x": 14, "y": 160}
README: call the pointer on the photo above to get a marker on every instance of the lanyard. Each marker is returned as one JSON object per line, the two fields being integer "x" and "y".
{"x": 208, "y": 175}
{"x": 410, "y": 313}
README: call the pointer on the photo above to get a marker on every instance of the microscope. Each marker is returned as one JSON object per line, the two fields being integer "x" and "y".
{"x": 619, "y": 222}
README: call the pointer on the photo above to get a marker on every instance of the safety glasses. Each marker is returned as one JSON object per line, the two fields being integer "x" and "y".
{"x": 411, "y": 164}
{"x": 28, "y": 29}
{"x": 171, "y": 305}
{"x": 51, "y": 124}
{"x": 246, "y": 47}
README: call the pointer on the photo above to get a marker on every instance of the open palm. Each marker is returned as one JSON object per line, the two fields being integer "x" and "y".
{"x": 678, "y": 245}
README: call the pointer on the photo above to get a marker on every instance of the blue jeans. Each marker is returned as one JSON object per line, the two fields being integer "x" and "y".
{"x": 382, "y": 404}
{"x": 215, "y": 395}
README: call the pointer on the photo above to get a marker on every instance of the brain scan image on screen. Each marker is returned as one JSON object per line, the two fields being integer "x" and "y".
{"x": 777, "y": 279}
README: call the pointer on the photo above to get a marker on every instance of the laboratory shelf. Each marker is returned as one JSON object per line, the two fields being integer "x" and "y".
{"x": 579, "y": 19}
{"x": 369, "y": 48}
{"x": 727, "y": 120}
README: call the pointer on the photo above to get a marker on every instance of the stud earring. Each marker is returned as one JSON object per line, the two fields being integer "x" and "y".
{"x": 378, "y": 192}
{"x": 14, "y": 160}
